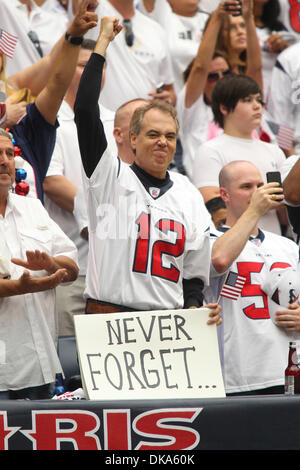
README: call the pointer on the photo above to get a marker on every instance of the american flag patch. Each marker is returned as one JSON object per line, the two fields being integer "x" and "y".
{"x": 233, "y": 286}
{"x": 284, "y": 135}
{"x": 8, "y": 43}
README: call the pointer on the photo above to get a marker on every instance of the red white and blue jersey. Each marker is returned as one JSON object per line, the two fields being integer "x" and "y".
{"x": 144, "y": 240}
{"x": 148, "y": 237}
{"x": 255, "y": 349}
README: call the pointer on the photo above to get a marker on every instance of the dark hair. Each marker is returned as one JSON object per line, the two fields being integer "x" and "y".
{"x": 271, "y": 11}
{"x": 215, "y": 204}
{"x": 228, "y": 91}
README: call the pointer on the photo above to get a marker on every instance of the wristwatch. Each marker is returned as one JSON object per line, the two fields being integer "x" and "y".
{"x": 76, "y": 41}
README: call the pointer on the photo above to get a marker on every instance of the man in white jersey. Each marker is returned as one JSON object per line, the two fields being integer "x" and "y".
{"x": 149, "y": 245}
{"x": 237, "y": 108}
{"x": 255, "y": 346}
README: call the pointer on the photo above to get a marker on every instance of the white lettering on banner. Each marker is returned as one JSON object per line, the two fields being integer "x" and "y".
{"x": 158, "y": 354}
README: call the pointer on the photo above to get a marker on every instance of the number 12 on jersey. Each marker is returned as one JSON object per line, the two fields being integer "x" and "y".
{"x": 145, "y": 255}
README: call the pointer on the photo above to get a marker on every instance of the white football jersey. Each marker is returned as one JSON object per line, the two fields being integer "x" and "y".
{"x": 144, "y": 240}
{"x": 255, "y": 348}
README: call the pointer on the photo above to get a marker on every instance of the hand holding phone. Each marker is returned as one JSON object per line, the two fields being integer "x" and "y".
{"x": 233, "y": 10}
{"x": 274, "y": 177}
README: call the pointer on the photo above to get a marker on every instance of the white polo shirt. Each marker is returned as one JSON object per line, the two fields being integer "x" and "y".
{"x": 28, "y": 329}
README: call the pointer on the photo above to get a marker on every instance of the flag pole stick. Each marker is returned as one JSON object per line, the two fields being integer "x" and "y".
{"x": 226, "y": 277}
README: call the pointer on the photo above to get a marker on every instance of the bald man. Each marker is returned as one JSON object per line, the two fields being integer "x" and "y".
{"x": 121, "y": 128}
{"x": 254, "y": 345}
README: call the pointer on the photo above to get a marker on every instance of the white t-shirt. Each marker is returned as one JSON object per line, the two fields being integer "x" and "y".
{"x": 15, "y": 20}
{"x": 216, "y": 153}
{"x": 197, "y": 126}
{"x": 184, "y": 35}
{"x": 132, "y": 72}
{"x": 28, "y": 324}
{"x": 255, "y": 349}
{"x": 66, "y": 161}
{"x": 195, "y": 123}
{"x": 143, "y": 241}
{"x": 284, "y": 96}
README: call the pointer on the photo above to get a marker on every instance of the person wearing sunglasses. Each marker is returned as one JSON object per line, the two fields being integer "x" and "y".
{"x": 202, "y": 74}
{"x": 193, "y": 101}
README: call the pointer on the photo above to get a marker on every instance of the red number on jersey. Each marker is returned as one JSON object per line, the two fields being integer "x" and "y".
{"x": 159, "y": 248}
{"x": 249, "y": 290}
{"x": 294, "y": 15}
{"x": 142, "y": 244}
{"x": 168, "y": 248}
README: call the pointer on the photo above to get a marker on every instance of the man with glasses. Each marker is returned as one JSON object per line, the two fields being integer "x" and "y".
{"x": 139, "y": 60}
{"x": 237, "y": 108}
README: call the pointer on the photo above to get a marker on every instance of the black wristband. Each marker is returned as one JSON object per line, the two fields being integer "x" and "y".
{"x": 72, "y": 40}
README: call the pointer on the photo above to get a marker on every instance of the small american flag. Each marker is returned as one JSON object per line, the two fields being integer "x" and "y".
{"x": 284, "y": 134}
{"x": 7, "y": 43}
{"x": 232, "y": 286}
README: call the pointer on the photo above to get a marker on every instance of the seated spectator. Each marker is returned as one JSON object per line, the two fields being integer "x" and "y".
{"x": 184, "y": 25}
{"x": 36, "y": 256}
{"x": 217, "y": 208}
{"x": 237, "y": 106}
{"x": 272, "y": 34}
{"x": 139, "y": 59}
{"x": 257, "y": 325}
{"x": 37, "y": 31}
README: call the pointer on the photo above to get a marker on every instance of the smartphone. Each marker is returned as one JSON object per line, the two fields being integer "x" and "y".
{"x": 239, "y": 12}
{"x": 274, "y": 177}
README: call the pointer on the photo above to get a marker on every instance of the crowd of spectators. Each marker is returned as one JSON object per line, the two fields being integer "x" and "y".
{"x": 180, "y": 106}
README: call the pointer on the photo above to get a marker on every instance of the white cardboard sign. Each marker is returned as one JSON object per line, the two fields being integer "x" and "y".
{"x": 149, "y": 355}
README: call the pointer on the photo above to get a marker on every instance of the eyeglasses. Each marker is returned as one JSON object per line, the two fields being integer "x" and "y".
{"x": 129, "y": 36}
{"x": 215, "y": 76}
{"x": 36, "y": 42}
